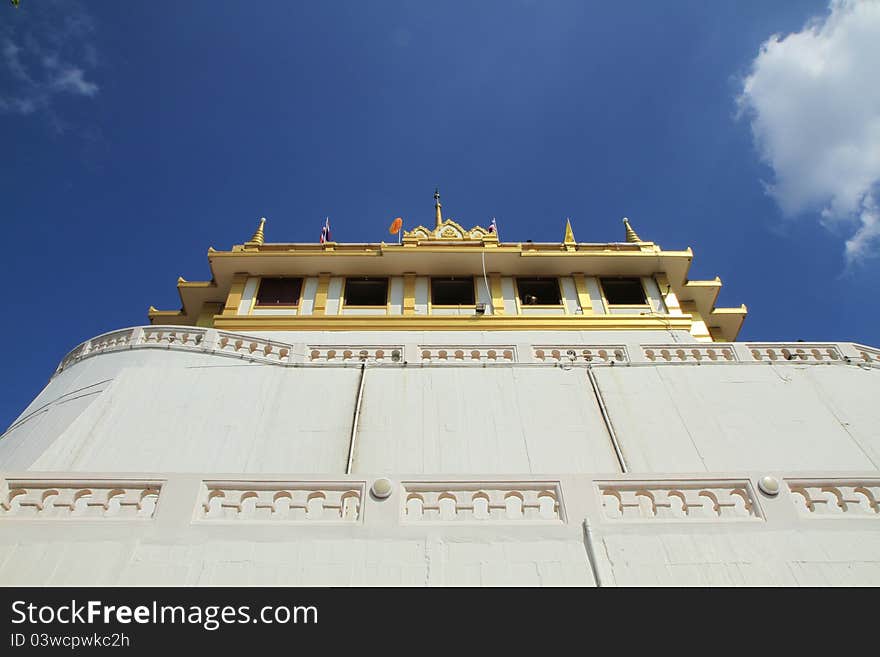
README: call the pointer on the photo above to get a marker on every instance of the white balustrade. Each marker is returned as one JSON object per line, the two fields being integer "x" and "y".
{"x": 253, "y": 348}
{"x": 802, "y": 352}
{"x": 467, "y": 354}
{"x": 71, "y": 500}
{"x": 281, "y": 501}
{"x": 686, "y": 500}
{"x": 833, "y": 497}
{"x": 689, "y": 353}
{"x": 482, "y": 502}
{"x": 581, "y": 353}
{"x": 355, "y": 354}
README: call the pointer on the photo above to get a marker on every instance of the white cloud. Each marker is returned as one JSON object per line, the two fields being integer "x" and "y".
{"x": 813, "y": 98}
{"x": 50, "y": 56}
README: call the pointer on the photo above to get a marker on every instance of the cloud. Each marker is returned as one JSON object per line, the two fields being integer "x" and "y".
{"x": 45, "y": 56}
{"x": 813, "y": 99}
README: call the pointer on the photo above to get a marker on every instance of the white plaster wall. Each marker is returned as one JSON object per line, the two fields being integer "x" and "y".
{"x": 850, "y": 395}
{"x": 741, "y": 417}
{"x": 569, "y": 295}
{"x": 544, "y": 310}
{"x": 480, "y": 420}
{"x": 70, "y": 393}
{"x": 629, "y": 310}
{"x": 334, "y": 295}
{"x": 595, "y": 295}
{"x": 274, "y": 311}
{"x": 460, "y": 310}
{"x": 653, "y": 294}
{"x": 248, "y": 294}
{"x": 365, "y": 311}
{"x": 422, "y": 292}
{"x": 310, "y": 289}
{"x": 248, "y": 418}
{"x": 483, "y": 295}
{"x": 508, "y": 291}
{"x": 395, "y": 294}
{"x": 305, "y": 560}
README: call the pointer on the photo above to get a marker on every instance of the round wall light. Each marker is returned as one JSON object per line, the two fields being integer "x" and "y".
{"x": 769, "y": 485}
{"x": 382, "y": 488}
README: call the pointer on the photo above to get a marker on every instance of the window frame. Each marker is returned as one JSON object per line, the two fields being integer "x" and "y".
{"x": 522, "y": 304}
{"x": 647, "y": 303}
{"x": 344, "y": 295}
{"x": 473, "y": 280}
{"x": 296, "y": 304}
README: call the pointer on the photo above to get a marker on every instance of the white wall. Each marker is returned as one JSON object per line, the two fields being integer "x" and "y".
{"x": 310, "y": 289}
{"x": 247, "y": 418}
{"x": 480, "y": 420}
{"x": 395, "y": 295}
{"x": 423, "y": 294}
{"x": 248, "y": 294}
{"x": 334, "y": 295}
{"x": 569, "y": 295}
{"x": 741, "y": 417}
{"x": 508, "y": 291}
{"x": 595, "y": 295}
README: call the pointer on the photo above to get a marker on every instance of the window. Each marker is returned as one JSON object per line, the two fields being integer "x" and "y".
{"x": 366, "y": 291}
{"x": 452, "y": 291}
{"x": 279, "y": 291}
{"x": 624, "y": 292}
{"x": 538, "y": 291}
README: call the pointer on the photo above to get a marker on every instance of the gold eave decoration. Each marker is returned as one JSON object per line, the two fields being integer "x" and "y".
{"x": 449, "y": 232}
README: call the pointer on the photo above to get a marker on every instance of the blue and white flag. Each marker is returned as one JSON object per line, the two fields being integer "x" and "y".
{"x": 325, "y": 231}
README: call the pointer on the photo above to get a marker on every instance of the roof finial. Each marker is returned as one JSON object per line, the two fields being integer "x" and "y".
{"x": 631, "y": 235}
{"x": 437, "y": 206}
{"x": 258, "y": 236}
{"x": 569, "y": 233}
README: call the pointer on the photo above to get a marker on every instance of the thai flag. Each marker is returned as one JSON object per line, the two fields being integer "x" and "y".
{"x": 493, "y": 227}
{"x": 325, "y": 231}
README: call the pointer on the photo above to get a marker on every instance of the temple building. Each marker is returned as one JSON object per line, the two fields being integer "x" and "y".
{"x": 446, "y": 409}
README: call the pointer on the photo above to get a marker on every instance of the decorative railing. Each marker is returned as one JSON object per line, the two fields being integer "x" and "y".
{"x": 111, "y": 341}
{"x": 686, "y": 500}
{"x": 355, "y": 354}
{"x": 416, "y": 501}
{"x": 581, "y": 353}
{"x": 867, "y": 354}
{"x": 258, "y": 349}
{"x": 281, "y": 501}
{"x": 467, "y": 354}
{"x": 689, "y": 353}
{"x": 179, "y": 338}
{"x": 475, "y": 502}
{"x": 831, "y": 497}
{"x": 798, "y": 352}
{"x": 68, "y": 499}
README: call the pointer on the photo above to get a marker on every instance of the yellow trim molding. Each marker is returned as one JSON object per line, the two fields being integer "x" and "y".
{"x": 453, "y": 323}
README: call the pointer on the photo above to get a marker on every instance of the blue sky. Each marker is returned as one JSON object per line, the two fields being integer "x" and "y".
{"x": 136, "y": 135}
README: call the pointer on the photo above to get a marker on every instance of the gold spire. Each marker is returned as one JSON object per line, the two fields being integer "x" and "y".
{"x": 631, "y": 235}
{"x": 437, "y": 206}
{"x": 258, "y": 236}
{"x": 569, "y": 233}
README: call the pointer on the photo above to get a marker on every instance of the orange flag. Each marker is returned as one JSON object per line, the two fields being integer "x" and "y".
{"x": 396, "y": 225}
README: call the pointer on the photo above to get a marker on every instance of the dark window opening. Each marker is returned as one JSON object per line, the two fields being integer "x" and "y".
{"x": 279, "y": 291}
{"x": 366, "y": 291}
{"x": 538, "y": 291}
{"x": 452, "y": 291}
{"x": 624, "y": 292}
